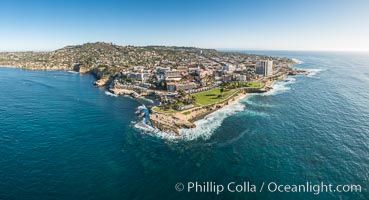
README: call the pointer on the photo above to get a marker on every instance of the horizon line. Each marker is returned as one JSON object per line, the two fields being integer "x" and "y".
{"x": 193, "y": 46}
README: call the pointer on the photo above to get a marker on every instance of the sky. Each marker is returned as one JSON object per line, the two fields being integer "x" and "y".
{"x": 317, "y": 25}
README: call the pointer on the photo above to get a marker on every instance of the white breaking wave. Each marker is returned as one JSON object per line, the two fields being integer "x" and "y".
{"x": 110, "y": 94}
{"x": 297, "y": 61}
{"x": 171, "y": 136}
{"x": 279, "y": 87}
{"x": 289, "y": 79}
{"x": 250, "y": 102}
{"x": 145, "y": 99}
{"x": 314, "y": 72}
{"x": 205, "y": 127}
{"x": 73, "y": 72}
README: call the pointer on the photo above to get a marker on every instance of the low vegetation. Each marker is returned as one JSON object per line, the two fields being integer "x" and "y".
{"x": 235, "y": 84}
{"x": 212, "y": 96}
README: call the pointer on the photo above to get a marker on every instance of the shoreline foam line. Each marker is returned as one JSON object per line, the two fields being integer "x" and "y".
{"x": 205, "y": 127}
{"x": 111, "y": 94}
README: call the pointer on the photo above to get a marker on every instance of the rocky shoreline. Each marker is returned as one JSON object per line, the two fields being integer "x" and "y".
{"x": 174, "y": 122}
{"x": 99, "y": 63}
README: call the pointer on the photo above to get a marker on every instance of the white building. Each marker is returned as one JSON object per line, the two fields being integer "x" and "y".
{"x": 173, "y": 75}
{"x": 229, "y": 68}
{"x": 143, "y": 77}
{"x": 243, "y": 78}
{"x": 264, "y": 67}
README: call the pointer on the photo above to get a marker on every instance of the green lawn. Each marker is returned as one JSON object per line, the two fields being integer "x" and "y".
{"x": 211, "y": 96}
{"x": 255, "y": 84}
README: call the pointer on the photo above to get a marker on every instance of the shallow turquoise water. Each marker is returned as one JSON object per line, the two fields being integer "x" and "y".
{"x": 62, "y": 138}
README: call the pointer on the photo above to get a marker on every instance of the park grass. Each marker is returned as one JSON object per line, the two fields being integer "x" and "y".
{"x": 255, "y": 84}
{"x": 211, "y": 96}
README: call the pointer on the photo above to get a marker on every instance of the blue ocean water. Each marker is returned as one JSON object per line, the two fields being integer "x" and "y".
{"x": 62, "y": 138}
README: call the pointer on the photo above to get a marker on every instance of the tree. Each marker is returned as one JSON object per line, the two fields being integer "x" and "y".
{"x": 193, "y": 98}
{"x": 221, "y": 90}
{"x": 182, "y": 93}
{"x": 166, "y": 107}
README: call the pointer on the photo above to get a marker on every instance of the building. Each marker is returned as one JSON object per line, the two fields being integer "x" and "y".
{"x": 202, "y": 73}
{"x": 193, "y": 70}
{"x": 186, "y": 86}
{"x": 132, "y": 75}
{"x": 243, "y": 78}
{"x": 173, "y": 75}
{"x": 138, "y": 68}
{"x": 227, "y": 78}
{"x": 264, "y": 67}
{"x": 143, "y": 77}
{"x": 162, "y": 69}
{"x": 218, "y": 75}
{"x": 183, "y": 69}
{"x": 172, "y": 87}
{"x": 229, "y": 68}
{"x": 236, "y": 77}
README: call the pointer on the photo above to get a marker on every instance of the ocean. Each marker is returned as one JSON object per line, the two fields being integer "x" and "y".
{"x": 62, "y": 138}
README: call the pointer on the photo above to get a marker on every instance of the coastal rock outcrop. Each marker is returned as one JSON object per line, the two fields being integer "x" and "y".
{"x": 173, "y": 122}
{"x": 80, "y": 68}
{"x": 124, "y": 92}
{"x": 298, "y": 72}
{"x": 101, "y": 82}
{"x": 169, "y": 123}
{"x": 103, "y": 76}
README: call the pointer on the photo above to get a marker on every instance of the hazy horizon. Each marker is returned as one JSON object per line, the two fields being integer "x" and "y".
{"x": 218, "y": 49}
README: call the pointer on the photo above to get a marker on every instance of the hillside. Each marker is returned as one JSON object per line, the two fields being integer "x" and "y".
{"x": 105, "y": 60}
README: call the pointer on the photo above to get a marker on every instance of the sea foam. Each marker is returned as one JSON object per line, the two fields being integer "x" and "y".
{"x": 170, "y": 136}
{"x": 73, "y": 72}
{"x": 314, "y": 72}
{"x": 297, "y": 61}
{"x": 110, "y": 94}
{"x": 279, "y": 87}
{"x": 205, "y": 127}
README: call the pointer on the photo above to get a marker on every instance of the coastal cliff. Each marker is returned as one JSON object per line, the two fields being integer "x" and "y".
{"x": 174, "y": 122}
{"x": 167, "y": 73}
{"x": 169, "y": 123}
{"x": 106, "y": 60}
